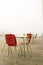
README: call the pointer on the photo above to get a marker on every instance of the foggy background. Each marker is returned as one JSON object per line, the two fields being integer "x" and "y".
{"x": 21, "y": 16}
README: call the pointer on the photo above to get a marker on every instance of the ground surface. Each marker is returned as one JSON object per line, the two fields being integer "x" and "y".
{"x": 36, "y": 59}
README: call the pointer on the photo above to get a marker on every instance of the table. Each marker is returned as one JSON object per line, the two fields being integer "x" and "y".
{"x": 23, "y": 43}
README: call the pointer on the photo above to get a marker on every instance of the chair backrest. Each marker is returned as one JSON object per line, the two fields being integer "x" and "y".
{"x": 29, "y": 35}
{"x": 11, "y": 39}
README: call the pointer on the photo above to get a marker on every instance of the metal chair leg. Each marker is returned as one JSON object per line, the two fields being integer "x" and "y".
{"x": 3, "y": 48}
{"x": 28, "y": 50}
{"x": 11, "y": 50}
{"x": 21, "y": 50}
{"x": 15, "y": 49}
{"x": 8, "y": 50}
{"x": 24, "y": 49}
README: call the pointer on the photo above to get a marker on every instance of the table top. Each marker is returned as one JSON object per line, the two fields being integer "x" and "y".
{"x": 22, "y": 37}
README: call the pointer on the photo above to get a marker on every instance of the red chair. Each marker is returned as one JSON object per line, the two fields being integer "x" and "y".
{"x": 26, "y": 41}
{"x": 29, "y": 36}
{"x": 11, "y": 42}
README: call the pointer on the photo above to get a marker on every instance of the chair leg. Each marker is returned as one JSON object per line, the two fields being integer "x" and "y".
{"x": 15, "y": 49}
{"x": 24, "y": 49}
{"x": 28, "y": 50}
{"x": 20, "y": 50}
{"x": 11, "y": 50}
{"x": 3, "y": 48}
{"x": 2, "y": 51}
{"x": 8, "y": 50}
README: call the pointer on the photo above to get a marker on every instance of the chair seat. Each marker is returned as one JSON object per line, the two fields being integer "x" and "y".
{"x": 11, "y": 39}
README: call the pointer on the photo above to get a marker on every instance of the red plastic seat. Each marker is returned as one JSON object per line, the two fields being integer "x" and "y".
{"x": 11, "y": 39}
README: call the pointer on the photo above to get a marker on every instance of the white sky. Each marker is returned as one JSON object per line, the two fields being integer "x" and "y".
{"x": 21, "y": 16}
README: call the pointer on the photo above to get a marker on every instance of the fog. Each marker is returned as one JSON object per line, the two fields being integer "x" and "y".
{"x": 21, "y": 16}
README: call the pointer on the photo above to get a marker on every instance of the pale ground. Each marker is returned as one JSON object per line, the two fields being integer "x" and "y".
{"x": 36, "y": 59}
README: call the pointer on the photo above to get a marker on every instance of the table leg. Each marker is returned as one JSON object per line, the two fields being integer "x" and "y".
{"x": 24, "y": 46}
